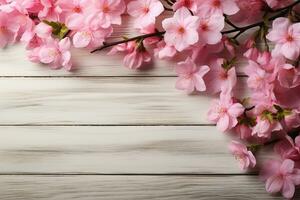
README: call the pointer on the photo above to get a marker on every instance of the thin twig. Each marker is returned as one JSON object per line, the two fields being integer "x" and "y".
{"x": 141, "y": 37}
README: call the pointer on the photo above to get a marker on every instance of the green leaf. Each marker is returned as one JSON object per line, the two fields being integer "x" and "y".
{"x": 268, "y": 116}
{"x": 63, "y": 32}
{"x": 59, "y": 30}
{"x": 228, "y": 64}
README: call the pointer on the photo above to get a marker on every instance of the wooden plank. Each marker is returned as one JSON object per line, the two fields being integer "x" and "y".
{"x": 115, "y": 150}
{"x": 133, "y": 188}
{"x": 101, "y": 101}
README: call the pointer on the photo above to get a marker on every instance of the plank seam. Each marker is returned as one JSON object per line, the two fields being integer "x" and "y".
{"x": 128, "y": 174}
{"x": 127, "y": 76}
{"x": 105, "y": 125}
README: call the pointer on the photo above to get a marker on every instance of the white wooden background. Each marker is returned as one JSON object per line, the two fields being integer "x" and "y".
{"x": 105, "y": 132}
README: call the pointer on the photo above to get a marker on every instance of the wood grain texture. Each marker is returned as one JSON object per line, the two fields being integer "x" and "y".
{"x": 133, "y": 188}
{"x": 101, "y": 101}
{"x": 115, "y": 150}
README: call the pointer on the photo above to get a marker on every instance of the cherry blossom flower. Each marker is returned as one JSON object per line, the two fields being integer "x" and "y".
{"x": 191, "y": 76}
{"x": 281, "y": 177}
{"x": 220, "y": 79}
{"x": 243, "y": 155}
{"x": 258, "y": 78}
{"x": 288, "y": 149}
{"x": 277, "y": 3}
{"x": 88, "y": 36}
{"x": 8, "y": 29}
{"x": 210, "y": 28}
{"x": 56, "y": 53}
{"x": 250, "y": 11}
{"x": 74, "y": 10}
{"x": 107, "y": 12}
{"x": 164, "y": 51}
{"x": 145, "y": 11}
{"x": 228, "y": 7}
{"x": 244, "y": 131}
{"x": 22, "y": 6}
{"x": 286, "y": 37}
{"x": 292, "y": 120}
{"x": 225, "y": 112}
{"x": 181, "y": 30}
{"x": 289, "y": 76}
{"x": 190, "y": 4}
{"x": 43, "y": 30}
{"x": 264, "y": 127}
{"x": 135, "y": 55}
{"x": 50, "y": 10}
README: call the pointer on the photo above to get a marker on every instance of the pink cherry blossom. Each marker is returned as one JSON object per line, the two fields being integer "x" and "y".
{"x": 8, "y": 29}
{"x": 289, "y": 76}
{"x": 191, "y": 76}
{"x": 220, "y": 79}
{"x": 181, "y": 30}
{"x": 264, "y": 127}
{"x": 258, "y": 78}
{"x": 281, "y": 177}
{"x": 107, "y": 12}
{"x": 244, "y": 131}
{"x": 30, "y": 37}
{"x": 164, "y": 51}
{"x": 135, "y": 59}
{"x": 287, "y": 96}
{"x": 74, "y": 9}
{"x": 135, "y": 55}
{"x": 292, "y": 120}
{"x": 225, "y": 112}
{"x": 22, "y": 6}
{"x": 288, "y": 149}
{"x": 88, "y": 36}
{"x": 228, "y": 7}
{"x": 145, "y": 11}
{"x": 277, "y": 3}
{"x": 243, "y": 155}
{"x": 250, "y": 11}
{"x": 50, "y": 10}
{"x": 43, "y": 30}
{"x": 286, "y": 36}
{"x": 190, "y": 4}
{"x": 210, "y": 28}
{"x": 56, "y": 53}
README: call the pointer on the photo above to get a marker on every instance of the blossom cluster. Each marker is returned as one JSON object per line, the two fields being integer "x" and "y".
{"x": 210, "y": 37}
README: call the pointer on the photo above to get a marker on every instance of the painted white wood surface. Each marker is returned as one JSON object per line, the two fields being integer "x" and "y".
{"x": 100, "y": 101}
{"x": 115, "y": 150}
{"x": 133, "y": 188}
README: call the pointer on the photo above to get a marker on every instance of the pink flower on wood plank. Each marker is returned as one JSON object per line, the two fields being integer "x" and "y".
{"x": 190, "y": 76}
